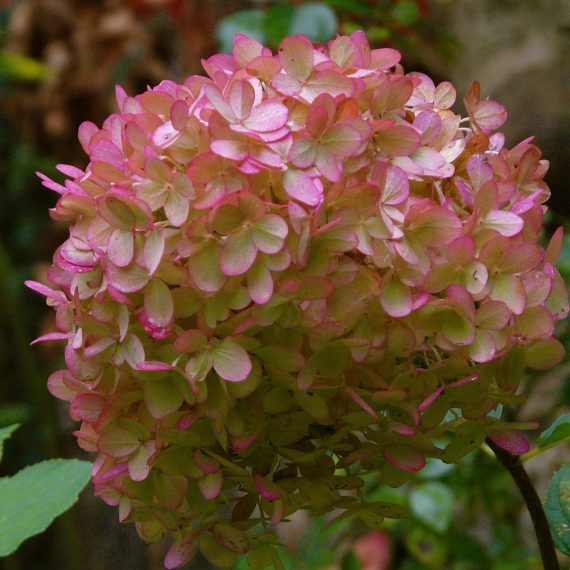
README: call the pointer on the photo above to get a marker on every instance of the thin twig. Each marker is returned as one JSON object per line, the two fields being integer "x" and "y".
{"x": 541, "y": 528}
{"x": 538, "y": 450}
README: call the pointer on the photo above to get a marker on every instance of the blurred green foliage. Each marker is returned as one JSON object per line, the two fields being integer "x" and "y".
{"x": 315, "y": 20}
{"x": 401, "y": 23}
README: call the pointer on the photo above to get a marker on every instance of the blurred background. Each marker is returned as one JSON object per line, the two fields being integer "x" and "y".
{"x": 59, "y": 62}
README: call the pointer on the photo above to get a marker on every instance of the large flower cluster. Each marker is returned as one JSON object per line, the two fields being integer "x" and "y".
{"x": 300, "y": 269}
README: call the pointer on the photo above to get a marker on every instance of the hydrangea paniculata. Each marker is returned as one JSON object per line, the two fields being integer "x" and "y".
{"x": 303, "y": 267}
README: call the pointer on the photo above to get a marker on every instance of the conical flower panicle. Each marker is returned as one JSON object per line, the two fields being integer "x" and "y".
{"x": 296, "y": 265}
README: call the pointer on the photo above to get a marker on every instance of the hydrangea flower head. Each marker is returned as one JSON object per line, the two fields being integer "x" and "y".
{"x": 301, "y": 268}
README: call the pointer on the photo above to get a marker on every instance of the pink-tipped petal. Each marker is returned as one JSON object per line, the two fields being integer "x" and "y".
{"x": 302, "y": 187}
{"x": 231, "y": 361}
{"x": 296, "y": 56}
{"x": 238, "y": 254}
{"x": 268, "y": 116}
{"x": 396, "y": 298}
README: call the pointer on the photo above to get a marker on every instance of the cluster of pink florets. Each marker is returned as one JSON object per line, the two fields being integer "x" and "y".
{"x": 304, "y": 265}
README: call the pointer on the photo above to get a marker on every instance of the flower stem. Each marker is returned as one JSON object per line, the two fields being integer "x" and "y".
{"x": 541, "y": 528}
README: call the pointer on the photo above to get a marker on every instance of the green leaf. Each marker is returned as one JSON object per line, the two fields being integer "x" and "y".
{"x": 432, "y": 504}
{"x": 315, "y": 20}
{"x": 248, "y": 22}
{"x": 31, "y": 499}
{"x": 558, "y": 431}
{"x": 17, "y": 66}
{"x": 557, "y": 508}
{"x": 5, "y": 433}
{"x": 14, "y": 413}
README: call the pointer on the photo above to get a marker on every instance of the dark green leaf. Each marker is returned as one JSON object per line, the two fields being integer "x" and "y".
{"x": 432, "y": 504}
{"x": 31, "y": 499}
{"x": 557, "y": 508}
{"x": 248, "y": 22}
{"x": 315, "y": 20}
{"x": 5, "y": 433}
{"x": 558, "y": 431}
{"x": 14, "y": 413}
